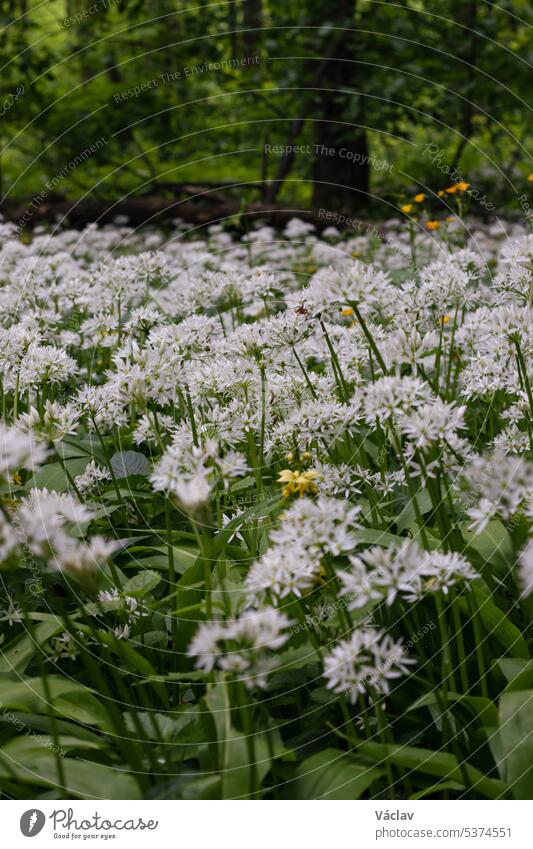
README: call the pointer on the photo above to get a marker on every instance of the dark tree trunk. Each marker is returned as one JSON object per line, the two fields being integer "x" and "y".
{"x": 252, "y": 19}
{"x": 466, "y": 14}
{"x": 340, "y": 168}
{"x": 341, "y": 179}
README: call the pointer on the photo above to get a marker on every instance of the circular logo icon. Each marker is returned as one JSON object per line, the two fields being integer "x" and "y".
{"x": 32, "y": 822}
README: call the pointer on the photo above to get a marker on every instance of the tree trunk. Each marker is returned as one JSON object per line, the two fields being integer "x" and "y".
{"x": 252, "y": 19}
{"x": 340, "y": 168}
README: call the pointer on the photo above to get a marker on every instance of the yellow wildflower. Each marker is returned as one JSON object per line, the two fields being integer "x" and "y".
{"x": 347, "y": 311}
{"x": 432, "y": 225}
{"x": 419, "y": 197}
{"x": 407, "y": 208}
{"x": 298, "y": 482}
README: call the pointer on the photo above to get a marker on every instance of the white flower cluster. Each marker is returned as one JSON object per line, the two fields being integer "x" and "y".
{"x": 375, "y": 377}
{"x": 243, "y": 647}
{"x": 402, "y": 571}
{"x": 368, "y": 660}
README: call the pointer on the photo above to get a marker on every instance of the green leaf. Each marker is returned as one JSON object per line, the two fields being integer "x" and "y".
{"x": 30, "y": 694}
{"x": 131, "y": 659}
{"x": 407, "y": 518}
{"x": 83, "y": 779}
{"x": 184, "y": 557}
{"x": 331, "y": 774}
{"x": 142, "y": 583}
{"x": 67, "y": 698}
{"x": 483, "y": 708}
{"x": 514, "y": 742}
{"x": 495, "y": 622}
{"x": 440, "y": 764}
{"x": 439, "y": 787}
{"x": 258, "y": 511}
{"x": 16, "y": 656}
{"x": 87, "y": 710}
{"x": 40, "y": 722}
{"x": 189, "y": 596}
{"x": 494, "y": 544}
{"x": 126, "y": 463}
{"x": 53, "y": 477}
{"x": 234, "y": 762}
{"x": 518, "y": 671}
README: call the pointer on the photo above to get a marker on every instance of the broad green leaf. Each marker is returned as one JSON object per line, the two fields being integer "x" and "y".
{"x": 234, "y": 756}
{"x": 83, "y": 779}
{"x": 518, "y": 671}
{"x": 407, "y": 518}
{"x": 53, "y": 476}
{"x": 331, "y": 774}
{"x": 493, "y": 544}
{"x": 16, "y": 656}
{"x": 41, "y": 722}
{"x": 30, "y": 694}
{"x": 142, "y": 583}
{"x": 514, "y": 744}
{"x": 184, "y": 557}
{"x": 440, "y": 787}
{"x": 126, "y": 463}
{"x": 495, "y": 623}
{"x": 440, "y": 764}
{"x": 483, "y": 708}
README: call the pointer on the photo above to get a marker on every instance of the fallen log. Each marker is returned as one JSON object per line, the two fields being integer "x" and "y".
{"x": 196, "y": 206}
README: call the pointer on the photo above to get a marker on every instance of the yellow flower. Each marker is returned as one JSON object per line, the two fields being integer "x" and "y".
{"x": 298, "y": 482}
{"x": 322, "y": 576}
{"x": 530, "y": 178}
{"x": 407, "y": 208}
{"x": 462, "y": 186}
{"x": 347, "y": 311}
{"x": 451, "y": 190}
{"x": 419, "y": 197}
{"x": 445, "y": 319}
{"x": 432, "y": 225}
{"x": 441, "y": 193}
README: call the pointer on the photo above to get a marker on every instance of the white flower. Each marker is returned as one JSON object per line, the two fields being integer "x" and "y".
{"x": 432, "y": 423}
{"x": 92, "y": 477}
{"x": 366, "y": 662}
{"x": 390, "y": 396}
{"x": 12, "y": 614}
{"x": 401, "y": 571}
{"x": 55, "y": 421}
{"x": 319, "y": 525}
{"x": 18, "y": 450}
{"x": 45, "y": 364}
{"x": 280, "y": 572}
{"x": 243, "y": 646}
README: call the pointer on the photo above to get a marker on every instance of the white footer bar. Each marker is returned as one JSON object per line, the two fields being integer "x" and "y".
{"x": 268, "y": 825}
